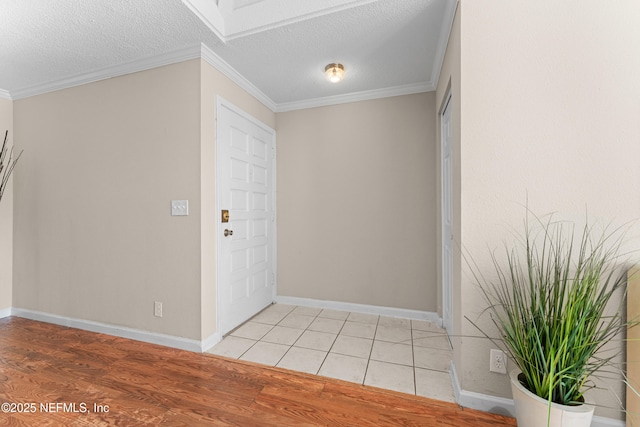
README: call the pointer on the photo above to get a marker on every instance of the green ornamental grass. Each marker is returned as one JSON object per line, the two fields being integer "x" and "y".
{"x": 549, "y": 303}
{"x": 6, "y": 164}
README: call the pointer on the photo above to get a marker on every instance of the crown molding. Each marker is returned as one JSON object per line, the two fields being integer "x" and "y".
{"x": 201, "y": 51}
{"x": 205, "y": 53}
{"x": 221, "y": 65}
{"x": 356, "y": 97}
{"x": 141, "y": 64}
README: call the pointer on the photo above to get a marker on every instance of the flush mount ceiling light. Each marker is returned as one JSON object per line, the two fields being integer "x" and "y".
{"x": 334, "y": 72}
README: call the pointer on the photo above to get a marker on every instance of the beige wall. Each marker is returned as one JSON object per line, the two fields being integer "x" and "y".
{"x": 550, "y": 106}
{"x": 94, "y": 238}
{"x": 6, "y": 214}
{"x": 356, "y": 202}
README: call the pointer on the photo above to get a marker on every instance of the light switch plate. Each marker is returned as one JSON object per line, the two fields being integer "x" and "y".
{"x": 179, "y": 207}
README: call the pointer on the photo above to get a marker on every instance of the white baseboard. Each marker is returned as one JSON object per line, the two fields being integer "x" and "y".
{"x": 606, "y": 422}
{"x": 5, "y": 312}
{"x": 482, "y": 402}
{"x": 121, "y": 331}
{"x": 362, "y": 308}
{"x": 504, "y": 406}
{"x": 210, "y": 341}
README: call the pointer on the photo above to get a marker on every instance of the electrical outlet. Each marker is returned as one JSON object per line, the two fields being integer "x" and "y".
{"x": 157, "y": 309}
{"x": 497, "y": 361}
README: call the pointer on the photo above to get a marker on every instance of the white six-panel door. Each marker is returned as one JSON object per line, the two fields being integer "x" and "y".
{"x": 447, "y": 217}
{"x": 246, "y": 243}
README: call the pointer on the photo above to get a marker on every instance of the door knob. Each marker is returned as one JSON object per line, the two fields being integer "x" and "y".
{"x": 228, "y": 232}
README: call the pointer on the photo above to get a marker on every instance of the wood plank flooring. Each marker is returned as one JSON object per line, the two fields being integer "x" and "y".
{"x": 57, "y": 376}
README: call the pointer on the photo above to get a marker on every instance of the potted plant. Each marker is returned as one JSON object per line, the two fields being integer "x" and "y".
{"x": 552, "y": 302}
{"x": 6, "y": 164}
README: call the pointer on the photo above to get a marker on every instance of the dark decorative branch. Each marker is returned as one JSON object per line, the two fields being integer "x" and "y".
{"x": 6, "y": 167}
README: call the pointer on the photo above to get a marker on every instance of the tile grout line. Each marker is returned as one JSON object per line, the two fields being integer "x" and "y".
{"x": 371, "y": 351}
{"x": 413, "y": 359}
{"x": 317, "y": 316}
{"x": 291, "y": 346}
{"x": 244, "y": 352}
{"x": 252, "y": 345}
{"x": 264, "y": 335}
{"x": 307, "y": 329}
{"x": 334, "y": 342}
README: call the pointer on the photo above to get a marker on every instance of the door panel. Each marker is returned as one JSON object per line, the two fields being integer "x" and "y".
{"x": 246, "y": 262}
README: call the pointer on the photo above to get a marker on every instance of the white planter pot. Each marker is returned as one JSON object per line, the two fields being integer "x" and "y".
{"x": 532, "y": 411}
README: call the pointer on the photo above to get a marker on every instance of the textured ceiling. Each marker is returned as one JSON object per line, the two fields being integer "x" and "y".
{"x": 279, "y": 46}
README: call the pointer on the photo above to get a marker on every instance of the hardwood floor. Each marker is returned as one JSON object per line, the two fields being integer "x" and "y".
{"x": 57, "y": 376}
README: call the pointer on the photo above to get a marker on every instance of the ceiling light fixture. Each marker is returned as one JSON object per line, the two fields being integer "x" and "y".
{"x": 334, "y": 72}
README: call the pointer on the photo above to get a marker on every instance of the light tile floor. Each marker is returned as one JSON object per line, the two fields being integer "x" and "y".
{"x": 410, "y": 356}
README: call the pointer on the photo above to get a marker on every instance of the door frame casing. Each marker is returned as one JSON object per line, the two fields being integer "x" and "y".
{"x": 222, "y": 102}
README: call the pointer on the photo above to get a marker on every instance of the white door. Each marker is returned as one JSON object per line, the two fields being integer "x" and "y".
{"x": 245, "y": 188}
{"x": 447, "y": 217}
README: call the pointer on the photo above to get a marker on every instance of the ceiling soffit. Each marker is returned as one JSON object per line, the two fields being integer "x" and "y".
{"x": 231, "y": 19}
